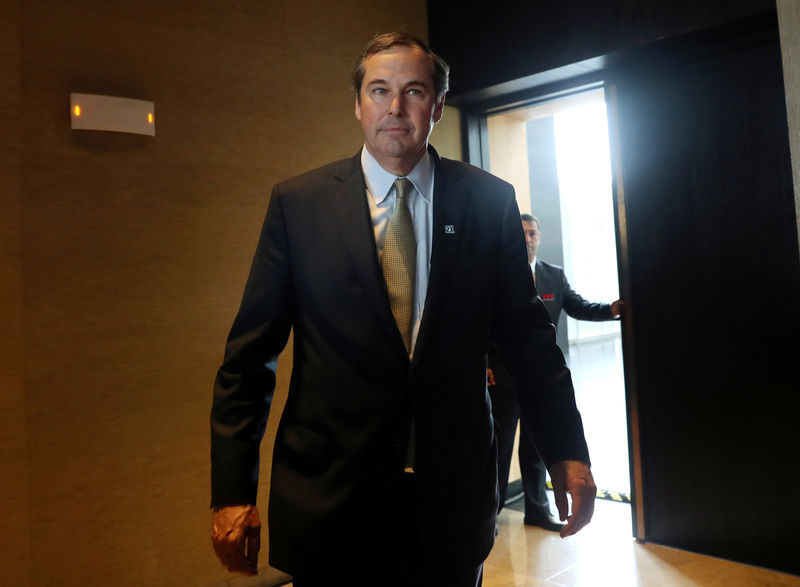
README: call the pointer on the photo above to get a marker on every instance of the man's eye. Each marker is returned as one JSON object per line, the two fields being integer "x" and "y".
{"x": 379, "y": 90}
{"x": 414, "y": 91}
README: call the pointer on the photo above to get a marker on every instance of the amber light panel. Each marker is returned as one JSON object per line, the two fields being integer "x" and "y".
{"x": 112, "y": 113}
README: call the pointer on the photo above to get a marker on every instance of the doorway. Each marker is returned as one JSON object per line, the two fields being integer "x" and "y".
{"x": 556, "y": 155}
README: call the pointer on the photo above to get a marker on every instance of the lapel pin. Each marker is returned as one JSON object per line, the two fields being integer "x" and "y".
{"x": 449, "y": 229}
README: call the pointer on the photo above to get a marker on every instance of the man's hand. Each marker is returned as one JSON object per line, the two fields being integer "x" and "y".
{"x": 489, "y": 377}
{"x": 236, "y": 535}
{"x": 617, "y": 306}
{"x": 576, "y": 478}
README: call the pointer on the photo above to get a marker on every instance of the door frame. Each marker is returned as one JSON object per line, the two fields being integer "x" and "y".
{"x": 475, "y": 148}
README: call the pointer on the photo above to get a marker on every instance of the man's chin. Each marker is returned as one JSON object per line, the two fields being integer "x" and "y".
{"x": 395, "y": 148}
{"x": 397, "y": 151}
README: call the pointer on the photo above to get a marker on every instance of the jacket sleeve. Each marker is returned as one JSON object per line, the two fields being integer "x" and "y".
{"x": 245, "y": 382}
{"x": 523, "y": 330}
{"x": 577, "y": 307}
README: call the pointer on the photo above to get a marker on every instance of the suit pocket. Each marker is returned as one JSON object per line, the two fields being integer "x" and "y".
{"x": 307, "y": 452}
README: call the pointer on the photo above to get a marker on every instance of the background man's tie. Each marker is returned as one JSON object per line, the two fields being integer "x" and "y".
{"x": 399, "y": 260}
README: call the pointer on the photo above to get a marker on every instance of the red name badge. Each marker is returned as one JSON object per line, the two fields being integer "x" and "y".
{"x": 548, "y": 297}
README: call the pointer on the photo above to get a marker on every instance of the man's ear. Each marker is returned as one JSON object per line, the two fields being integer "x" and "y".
{"x": 358, "y": 108}
{"x": 438, "y": 110}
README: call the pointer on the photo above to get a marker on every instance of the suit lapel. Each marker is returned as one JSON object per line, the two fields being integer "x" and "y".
{"x": 350, "y": 209}
{"x": 450, "y": 202}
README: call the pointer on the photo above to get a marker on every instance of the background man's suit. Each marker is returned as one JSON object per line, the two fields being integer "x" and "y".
{"x": 556, "y": 293}
{"x": 339, "y": 454}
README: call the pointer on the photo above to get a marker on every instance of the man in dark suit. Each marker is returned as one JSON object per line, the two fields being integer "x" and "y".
{"x": 394, "y": 269}
{"x": 555, "y": 291}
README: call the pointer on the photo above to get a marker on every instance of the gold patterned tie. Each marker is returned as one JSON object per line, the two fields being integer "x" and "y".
{"x": 399, "y": 260}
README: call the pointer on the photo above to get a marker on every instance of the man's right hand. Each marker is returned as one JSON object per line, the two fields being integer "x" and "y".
{"x": 236, "y": 535}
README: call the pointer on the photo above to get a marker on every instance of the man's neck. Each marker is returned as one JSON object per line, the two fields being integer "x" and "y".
{"x": 379, "y": 180}
{"x": 396, "y": 165}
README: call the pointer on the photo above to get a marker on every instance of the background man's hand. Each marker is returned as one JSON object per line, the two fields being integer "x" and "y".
{"x": 574, "y": 477}
{"x": 236, "y": 535}
{"x": 617, "y": 306}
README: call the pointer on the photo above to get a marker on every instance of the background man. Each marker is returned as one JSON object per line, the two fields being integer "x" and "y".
{"x": 379, "y": 264}
{"x": 555, "y": 291}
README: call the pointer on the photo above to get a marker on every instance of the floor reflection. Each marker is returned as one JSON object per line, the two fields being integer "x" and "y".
{"x": 597, "y": 373}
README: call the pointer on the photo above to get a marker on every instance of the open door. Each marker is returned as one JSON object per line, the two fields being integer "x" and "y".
{"x": 556, "y": 154}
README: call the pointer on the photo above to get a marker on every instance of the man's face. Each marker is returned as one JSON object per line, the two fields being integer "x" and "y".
{"x": 532, "y": 237}
{"x": 397, "y": 107}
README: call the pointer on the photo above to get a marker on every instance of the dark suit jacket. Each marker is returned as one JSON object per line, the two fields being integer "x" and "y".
{"x": 556, "y": 293}
{"x": 338, "y": 457}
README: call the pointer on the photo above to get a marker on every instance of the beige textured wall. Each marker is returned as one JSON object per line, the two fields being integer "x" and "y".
{"x": 789, "y": 24}
{"x": 508, "y": 154}
{"x": 124, "y": 257}
{"x": 14, "y": 536}
{"x": 446, "y": 136}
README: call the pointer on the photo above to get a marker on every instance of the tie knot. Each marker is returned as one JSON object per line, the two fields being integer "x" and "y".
{"x": 402, "y": 185}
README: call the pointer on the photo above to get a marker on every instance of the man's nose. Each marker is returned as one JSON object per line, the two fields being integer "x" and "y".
{"x": 397, "y": 106}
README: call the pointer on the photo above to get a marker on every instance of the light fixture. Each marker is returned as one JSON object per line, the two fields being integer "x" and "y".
{"x": 110, "y": 113}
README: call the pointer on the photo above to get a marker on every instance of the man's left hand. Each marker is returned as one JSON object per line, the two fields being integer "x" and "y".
{"x": 575, "y": 478}
{"x": 617, "y": 306}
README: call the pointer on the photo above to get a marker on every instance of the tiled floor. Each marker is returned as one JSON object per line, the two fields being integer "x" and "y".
{"x": 604, "y": 555}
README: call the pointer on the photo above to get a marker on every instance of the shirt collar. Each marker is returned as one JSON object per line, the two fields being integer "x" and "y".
{"x": 380, "y": 182}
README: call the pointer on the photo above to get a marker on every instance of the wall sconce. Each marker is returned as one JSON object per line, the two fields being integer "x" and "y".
{"x": 109, "y": 113}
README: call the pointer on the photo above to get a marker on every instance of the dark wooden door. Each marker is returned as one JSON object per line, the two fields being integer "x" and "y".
{"x": 713, "y": 288}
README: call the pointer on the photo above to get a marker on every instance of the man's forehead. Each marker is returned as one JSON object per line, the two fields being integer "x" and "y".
{"x": 401, "y": 59}
{"x": 395, "y": 49}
